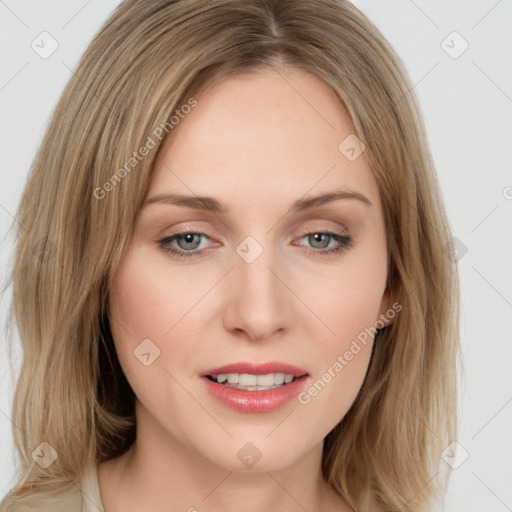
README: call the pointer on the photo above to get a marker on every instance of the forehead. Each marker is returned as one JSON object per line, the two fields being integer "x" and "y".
{"x": 271, "y": 132}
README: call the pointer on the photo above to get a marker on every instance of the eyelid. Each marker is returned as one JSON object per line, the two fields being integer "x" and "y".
{"x": 342, "y": 230}
{"x": 343, "y": 239}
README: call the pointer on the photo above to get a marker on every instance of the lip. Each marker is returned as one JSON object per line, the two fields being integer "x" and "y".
{"x": 256, "y": 368}
{"x": 242, "y": 400}
{"x": 255, "y": 401}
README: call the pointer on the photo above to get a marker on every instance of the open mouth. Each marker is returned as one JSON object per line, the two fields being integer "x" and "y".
{"x": 250, "y": 382}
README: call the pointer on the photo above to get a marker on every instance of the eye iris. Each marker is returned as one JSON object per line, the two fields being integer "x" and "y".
{"x": 317, "y": 237}
{"x": 189, "y": 237}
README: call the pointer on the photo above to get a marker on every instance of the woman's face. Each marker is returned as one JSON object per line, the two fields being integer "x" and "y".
{"x": 269, "y": 283}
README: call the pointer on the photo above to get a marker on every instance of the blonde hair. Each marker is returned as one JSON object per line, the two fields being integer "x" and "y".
{"x": 147, "y": 60}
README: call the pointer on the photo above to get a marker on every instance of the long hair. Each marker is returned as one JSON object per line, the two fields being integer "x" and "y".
{"x": 78, "y": 208}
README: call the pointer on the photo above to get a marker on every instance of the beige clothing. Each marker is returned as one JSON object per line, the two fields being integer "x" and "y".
{"x": 91, "y": 499}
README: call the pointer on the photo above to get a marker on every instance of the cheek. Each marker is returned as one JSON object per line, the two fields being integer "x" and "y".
{"x": 346, "y": 297}
{"x": 143, "y": 306}
{"x": 348, "y": 305}
{"x": 145, "y": 301}
{"x": 342, "y": 357}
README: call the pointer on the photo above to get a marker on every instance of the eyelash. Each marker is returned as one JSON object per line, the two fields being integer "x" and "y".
{"x": 345, "y": 242}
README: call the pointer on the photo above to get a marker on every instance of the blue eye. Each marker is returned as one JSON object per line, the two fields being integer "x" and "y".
{"x": 189, "y": 241}
{"x": 319, "y": 237}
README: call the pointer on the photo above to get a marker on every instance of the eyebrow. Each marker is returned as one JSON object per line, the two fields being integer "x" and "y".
{"x": 212, "y": 205}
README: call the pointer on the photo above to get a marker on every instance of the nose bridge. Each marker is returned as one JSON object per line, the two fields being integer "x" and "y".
{"x": 258, "y": 297}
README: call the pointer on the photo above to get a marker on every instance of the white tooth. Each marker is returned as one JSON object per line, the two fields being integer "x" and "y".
{"x": 247, "y": 380}
{"x": 279, "y": 378}
{"x": 266, "y": 380}
{"x": 233, "y": 378}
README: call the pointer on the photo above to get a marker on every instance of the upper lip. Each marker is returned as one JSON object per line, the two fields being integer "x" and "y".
{"x": 256, "y": 369}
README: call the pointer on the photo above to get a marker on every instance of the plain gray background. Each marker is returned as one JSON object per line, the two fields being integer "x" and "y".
{"x": 466, "y": 97}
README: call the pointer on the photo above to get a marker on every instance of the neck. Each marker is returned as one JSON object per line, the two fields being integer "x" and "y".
{"x": 161, "y": 473}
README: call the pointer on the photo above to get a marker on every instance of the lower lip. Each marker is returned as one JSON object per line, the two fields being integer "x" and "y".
{"x": 255, "y": 401}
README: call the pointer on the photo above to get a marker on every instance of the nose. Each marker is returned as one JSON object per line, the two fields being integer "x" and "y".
{"x": 259, "y": 304}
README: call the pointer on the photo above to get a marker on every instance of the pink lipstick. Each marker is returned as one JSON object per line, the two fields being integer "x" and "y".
{"x": 255, "y": 387}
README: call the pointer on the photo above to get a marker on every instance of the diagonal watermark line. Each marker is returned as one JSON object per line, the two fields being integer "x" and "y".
{"x": 492, "y": 81}
{"x": 292, "y": 411}
{"x": 199, "y": 300}
{"x": 491, "y": 419}
{"x": 199, "y": 403}
{"x": 286, "y": 491}
{"x": 69, "y": 431}
{"x": 411, "y": 411}
{"x": 87, "y": 497}
{"x": 84, "y": 494}
{"x": 492, "y": 211}
{"x": 301, "y": 300}
{"x": 425, "y": 14}
{"x": 311, "y": 188}
{"x": 12, "y": 12}
{"x": 99, "y": 98}
{"x": 217, "y": 486}
{"x": 408, "y": 501}
{"x": 490, "y": 490}
{"x": 19, "y": 428}
{"x": 494, "y": 288}
{"x": 305, "y": 99}
{"x": 11, "y": 215}
{"x": 411, "y": 88}
{"x": 419, "y": 81}
{"x": 14, "y": 76}
{"x": 485, "y": 15}
{"x": 186, "y": 185}
{"x": 76, "y": 14}
{"x": 112, "y": 317}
